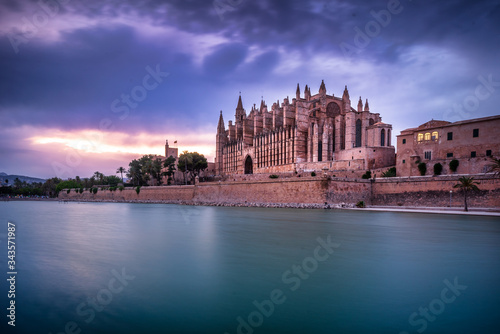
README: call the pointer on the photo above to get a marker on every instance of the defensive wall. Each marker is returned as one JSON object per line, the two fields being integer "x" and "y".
{"x": 403, "y": 191}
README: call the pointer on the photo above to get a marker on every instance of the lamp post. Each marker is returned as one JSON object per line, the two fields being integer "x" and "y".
{"x": 451, "y": 192}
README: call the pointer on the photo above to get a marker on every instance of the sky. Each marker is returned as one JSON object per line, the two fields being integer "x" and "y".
{"x": 90, "y": 85}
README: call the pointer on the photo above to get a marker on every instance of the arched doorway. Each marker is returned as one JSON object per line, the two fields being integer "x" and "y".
{"x": 248, "y": 165}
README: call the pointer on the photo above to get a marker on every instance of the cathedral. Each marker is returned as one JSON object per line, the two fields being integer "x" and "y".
{"x": 310, "y": 133}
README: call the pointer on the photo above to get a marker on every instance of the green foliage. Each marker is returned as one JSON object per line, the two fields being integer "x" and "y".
{"x": 391, "y": 172}
{"x": 169, "y": 164}
{"x": 494, "y": 166}
{"x": 67, "y": 191}
{"x": 454, "y": 165}
{"x": 81, "y": 191}
{"x": 466, "y": 184}
{"x": 121, "y": 188}
{"x": 138, "y": 189}
{"x": 121, "y": 170}
{"x": 149, "y": 167}
{"x": 422, "y": 168}
{"x": 273, "y": 176}
{"x": 192, "y": 163}
{"x": 367, "y": 175}
{"x": 313, "y": 174}
{"x": 94, "y": 190}
{"x": 66, "y": 185}
{"x": 360, "y": 204}
{"x": 438, "y": 168}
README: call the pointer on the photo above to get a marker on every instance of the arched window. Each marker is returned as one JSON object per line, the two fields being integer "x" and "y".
{"x": 389, "y": 137}
{"x": 427, "y": 136}
{"x": 358, "y": 133}
{"x": 435, "y": 135}
{"x": 371, "y": 122}
{"x": 382, "y": 137}
{"x": 420, "y": 137}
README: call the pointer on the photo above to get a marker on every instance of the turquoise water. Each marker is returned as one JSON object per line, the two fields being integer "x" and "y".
{"x": 139, "y": 268}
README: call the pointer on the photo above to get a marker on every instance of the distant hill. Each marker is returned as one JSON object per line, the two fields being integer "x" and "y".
{"x": 4, "y": 177}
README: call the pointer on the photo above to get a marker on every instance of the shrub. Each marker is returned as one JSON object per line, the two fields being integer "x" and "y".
{"x": 94, "y": 190}
{"x": 438, "y": 168}
{"x": 81, "y": 191}
{"x": 454, "y": 165}
{"x": 313, "y": 174}
{"x": 367, "y": 175}
{"x": 67, "y": 191}
{"x": 121, "y": 188}
{"x": 422, "y": 168}
{"x": 391, "y": 172}
{"x": 273, "y": 176}
{"x": 360, "y": 204}
{"x": 138, "y": 190}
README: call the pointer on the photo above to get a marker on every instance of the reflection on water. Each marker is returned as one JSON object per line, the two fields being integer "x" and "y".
{"x": 243, "y": 270}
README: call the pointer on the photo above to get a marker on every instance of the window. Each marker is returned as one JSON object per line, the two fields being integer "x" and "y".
{"x": 404, "y": 141}
{"x": 488, "y": 153}
{"x": 358, "y": 133}
{"x": 404, "y": 160}
{"x": 382, "y": 137}
{"x": 427, "y": 155}
{"x": 420, "y": 137}
{"x": 428, "y": 136}
{"x": 435, "y": 135}
{"x": 475, "y": 133}
{"x": 450, "y": 135}
{"x": 449, "y": 155}
{"x": 473, "y": 154}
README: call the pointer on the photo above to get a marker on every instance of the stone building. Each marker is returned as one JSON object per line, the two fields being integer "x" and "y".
{"x": 313, "y": 132}
{"x": 471, "y": 142}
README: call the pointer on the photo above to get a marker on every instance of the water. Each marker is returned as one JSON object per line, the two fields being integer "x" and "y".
{"x": 200, "y": 269}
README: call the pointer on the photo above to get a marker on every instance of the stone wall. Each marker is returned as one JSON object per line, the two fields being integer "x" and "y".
{"x": 414, "y": 191}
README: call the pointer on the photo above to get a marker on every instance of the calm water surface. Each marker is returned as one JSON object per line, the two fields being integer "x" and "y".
{"x": 139, "y": 268}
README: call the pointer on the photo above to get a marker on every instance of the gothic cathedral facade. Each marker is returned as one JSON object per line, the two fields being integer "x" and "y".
{"x": 313, "y": 132}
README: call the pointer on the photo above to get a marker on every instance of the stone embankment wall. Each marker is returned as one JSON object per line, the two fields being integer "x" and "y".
{"x": 414, "y": 191}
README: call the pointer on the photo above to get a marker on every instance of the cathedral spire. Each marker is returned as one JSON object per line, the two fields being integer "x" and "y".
{"x": 345, "y": 96}
{"x": 322, "y": 87}
{"x": 360, "y": 105}
{"x": 240, "y": 104}
{"x": 220, "y": 126}
{"x": 297, "y": 93}
{"x": 367, "y": 107}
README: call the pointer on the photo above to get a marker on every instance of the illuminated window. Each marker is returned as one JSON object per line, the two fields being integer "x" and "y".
{"x": 420, "y": 137}
{"x": 428, "y": 136}
{"x": 435, "y": 135}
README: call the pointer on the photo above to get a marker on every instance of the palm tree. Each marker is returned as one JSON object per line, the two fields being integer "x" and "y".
{"x": 466, "y": 184}
{"x": 121, "y": 170}
{"x": 494, "y": 166}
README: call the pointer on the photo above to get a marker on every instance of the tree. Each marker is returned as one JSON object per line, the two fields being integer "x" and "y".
{"x": 121, "y": 170}
{"x": 391, "y": 172}
{"x": 438, "y": 168}
{"x": 494, "y": 166}
{"x": 98, "y": 177}
{"x": 192, "y": 163}
{"x": 112, "y": 180}
{"x": 169, "y": 164}
{"x": 466, "y": 184}
{"x": 135, "y": 172}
